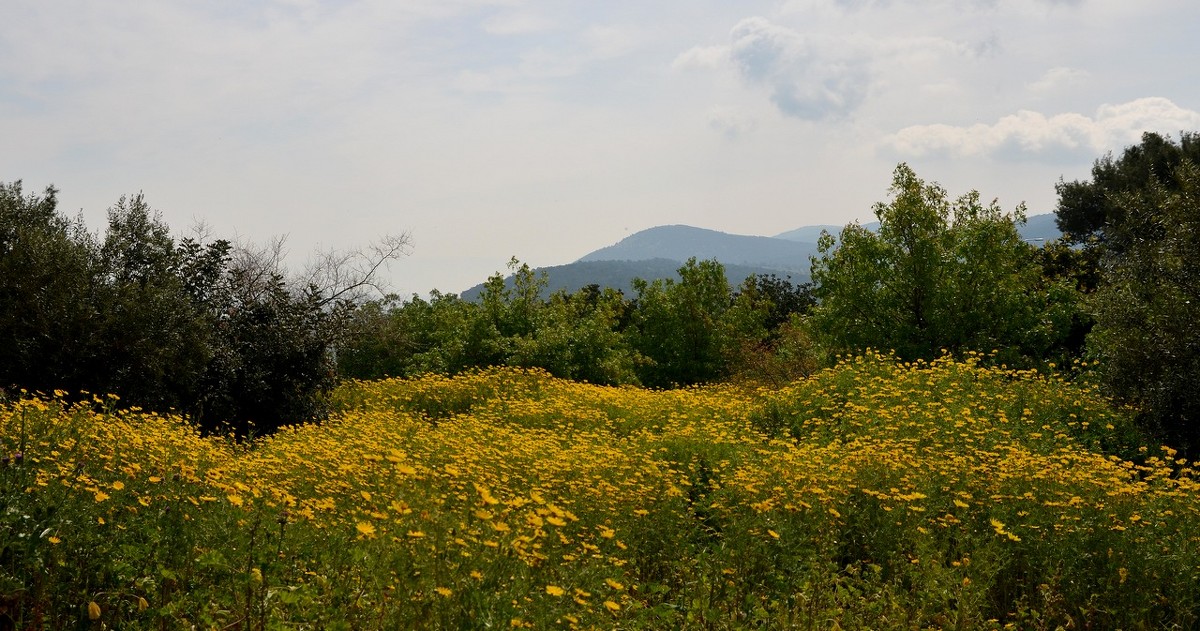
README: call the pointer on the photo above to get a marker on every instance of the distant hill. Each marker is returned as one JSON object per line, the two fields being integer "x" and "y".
{"x": 1037, "y": 228}
{"x": 809, "y": 234}
{"x": 620, "y": 274}
{"x": 1040, "y": 228}
{"x": 657, "y": 252}
{"x": 679, "y": 243}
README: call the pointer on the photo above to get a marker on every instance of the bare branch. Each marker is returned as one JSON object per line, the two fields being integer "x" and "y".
{"x": 353, "y": 275}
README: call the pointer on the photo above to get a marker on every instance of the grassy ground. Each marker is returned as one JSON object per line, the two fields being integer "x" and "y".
{"x": 875, "y": 495}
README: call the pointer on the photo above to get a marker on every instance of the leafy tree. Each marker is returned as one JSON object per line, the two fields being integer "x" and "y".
{"x": 783, "y": 299}
{"x": 1095, "y": 212}
{"x": 271, "y": 362}
{"x": 222, "y": 334}
{"x": 1148, "y": 304}
{"x": 576, "y": 336}
{"x": 154, "y": 311}
{"x": 572, "y": 336}
{"x": 47, "y": 285}
{"x": 688, "y": 330}
{"x": 938, "y": 274}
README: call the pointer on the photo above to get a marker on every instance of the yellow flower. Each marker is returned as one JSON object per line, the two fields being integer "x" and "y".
{"x": 612, "y": 606}
{"x": 365, "y": 528}
{"x": 101, "y": 496}
{"x": 613, "y": 584}
{"x": 236, "y": 500}
{"x": 118, "y": 485}
{"x": 444, "y": 591}
{"x": 93, "y": 611}
{"x": 486, "y": 495}
{"x": 416, "y": 534}
{"x": 142, "y": 604}
{"x": 555, "y": 590}
{"x": 774, "y": 535}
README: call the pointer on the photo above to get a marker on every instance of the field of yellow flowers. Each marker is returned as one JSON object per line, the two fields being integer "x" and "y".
{"x": 875, "y": 494}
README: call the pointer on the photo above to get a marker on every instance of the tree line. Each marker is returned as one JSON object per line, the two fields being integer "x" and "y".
{"x": 224, "y": 334}
{"x": 218, "y": 332}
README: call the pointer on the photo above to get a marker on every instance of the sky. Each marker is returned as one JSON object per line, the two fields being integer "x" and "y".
{"x": 546, "y": 129}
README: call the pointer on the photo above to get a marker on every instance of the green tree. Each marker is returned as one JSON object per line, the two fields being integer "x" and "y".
{"x": 1094, "y": 212}
{"x": 154, "y": 316}
{"x": 689, "y": 329}
{"x": 938, "y": 275}
{"x": 223, "y": 335}
{"x": 1147, "y": 307}
{"x": 781, "y": 299}
{"x": 47, "y": 293}
{"x": 577, "y": 336}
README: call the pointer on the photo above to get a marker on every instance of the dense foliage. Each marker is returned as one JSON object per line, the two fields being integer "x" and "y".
{"x": 939, "y": 275}
{"x": 1094, "y": 213}
{"x": 167, "y": 324}
{"x": 1146, "y": 336}
{"x": 671, "y": 332}
{"x": 877, "y": 494}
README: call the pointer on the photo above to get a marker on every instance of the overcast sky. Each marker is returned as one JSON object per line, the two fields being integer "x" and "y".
{"x": 548, "y": 129}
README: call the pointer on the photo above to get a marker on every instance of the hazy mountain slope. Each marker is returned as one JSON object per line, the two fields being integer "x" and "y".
{"x": 679, "y": 243}
{"x": 1037, "y": 228}
{"x": 1040, "y": 228}
{"x": 620, "y": 274}
{"x": 808, "y": 234}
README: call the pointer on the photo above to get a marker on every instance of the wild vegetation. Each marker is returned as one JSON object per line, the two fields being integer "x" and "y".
{"x": 191, "y": 436}
{"x": 878, "y": 494}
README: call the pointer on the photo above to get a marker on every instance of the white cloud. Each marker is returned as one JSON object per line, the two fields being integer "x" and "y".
{"x": 701, "y": 57}
{"x": 1057, "y": 78}
{"x": 1028, "y": 132}
{"x": 806, "y": 77}
{"x": 813, "y": 76}
{"x": 859, "y": 5}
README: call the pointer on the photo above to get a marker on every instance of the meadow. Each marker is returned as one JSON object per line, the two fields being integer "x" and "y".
{"x": 876, "y": 494}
